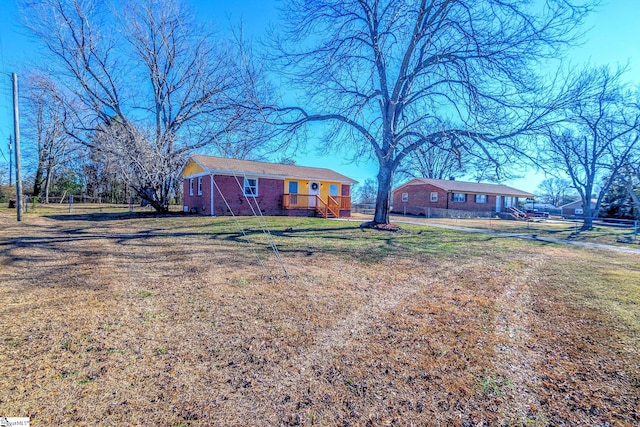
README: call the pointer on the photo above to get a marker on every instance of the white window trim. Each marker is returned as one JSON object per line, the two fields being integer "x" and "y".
{"x": 244, "y": 188}
{"x": 434, "y": 196}
{"x": 486, "y": 198}
{"x": 199, "y": 186}
{"x": 453, "y": 198}
{"x": 405, "y": 197}
{"x": 191, "y": 186}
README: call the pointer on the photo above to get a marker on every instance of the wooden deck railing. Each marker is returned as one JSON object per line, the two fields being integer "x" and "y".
{"x": 333, "y": 204}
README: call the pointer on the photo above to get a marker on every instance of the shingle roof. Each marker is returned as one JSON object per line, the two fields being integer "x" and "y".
{"x": 578, "y": 203}
{"x": 470, "y": 187}
{"x": 225, "y": 166}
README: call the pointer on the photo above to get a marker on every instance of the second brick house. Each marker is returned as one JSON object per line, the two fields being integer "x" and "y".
{"x": 418, "y": 195}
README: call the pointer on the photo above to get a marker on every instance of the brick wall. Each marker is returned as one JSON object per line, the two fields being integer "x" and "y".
{"x": 471, "y": 205}
{"x": 197, "y": 203}
{"x": 269, "y": 198}
{"x": 419, "y": 198}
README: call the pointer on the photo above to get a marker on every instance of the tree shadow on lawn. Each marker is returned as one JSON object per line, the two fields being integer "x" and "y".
{"x": 60, "y": 248}
{"x": 352, "y": 243}
{"x": 82, "y": 261}
{"x": 108, "y": 216}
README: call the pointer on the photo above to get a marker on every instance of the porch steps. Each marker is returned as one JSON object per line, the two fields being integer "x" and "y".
{"x": 323, "y": 214}
{"x": 518, "y": 214}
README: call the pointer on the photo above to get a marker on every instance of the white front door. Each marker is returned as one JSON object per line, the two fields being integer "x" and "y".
{"x": 498, "y": 205}
{"x": 314, "y": 190}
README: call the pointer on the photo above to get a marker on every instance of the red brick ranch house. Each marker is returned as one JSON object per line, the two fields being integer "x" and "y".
{"x": 218, "y": 186}
{"x": 418, "y": 195}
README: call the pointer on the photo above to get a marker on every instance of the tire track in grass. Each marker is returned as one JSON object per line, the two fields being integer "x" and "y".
{"x": 515, "y": 360}
{"x": 360, "y": 320}
{"x": 327, "y": 345}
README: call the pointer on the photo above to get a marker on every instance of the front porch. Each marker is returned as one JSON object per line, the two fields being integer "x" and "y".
{"x": 333, "y": 207}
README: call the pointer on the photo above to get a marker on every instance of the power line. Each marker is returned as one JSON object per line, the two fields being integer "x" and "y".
{"x": 2, "y": 152}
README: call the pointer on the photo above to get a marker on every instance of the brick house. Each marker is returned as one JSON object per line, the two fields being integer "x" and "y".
{"x": 419, "y": 194}
{"x": 576, "y": 209}
{"x": 218, "y": 186}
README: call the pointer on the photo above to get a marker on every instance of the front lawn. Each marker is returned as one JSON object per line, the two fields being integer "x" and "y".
{"x": 113, "y": 319}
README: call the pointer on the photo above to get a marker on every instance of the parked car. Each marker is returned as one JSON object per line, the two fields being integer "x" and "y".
{"x": 533, "y": 213}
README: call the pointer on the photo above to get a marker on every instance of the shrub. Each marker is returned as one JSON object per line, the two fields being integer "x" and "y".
{"x": 6, "y": 192}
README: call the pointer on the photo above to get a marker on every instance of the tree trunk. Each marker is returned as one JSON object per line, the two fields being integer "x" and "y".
{"x": 37, "y": 181}
{"x": 47, "y": 186}
{"x": 160, "y": 207}
{"x": 383, "y": 202}
{"x": 589, "y": 214}
{"x": 150, "y": 196}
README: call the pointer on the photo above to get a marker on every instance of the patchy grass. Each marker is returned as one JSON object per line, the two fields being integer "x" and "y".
{"x": 555, "y": 229}
{"x": 178, "y": 320}
{"x": 79, "y": 208}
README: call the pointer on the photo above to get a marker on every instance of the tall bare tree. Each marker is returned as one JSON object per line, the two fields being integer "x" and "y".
{"x": 365, "y": 193}
{"x": 441, "y": 161}
{"x": 44, "y": 120}
{"x": 395, "y": 75}
{"x": 596, "y": 138}
{"x": 433, "y": 161}
{"x": 149, "y": 83}
{"x": 554, "y": 190}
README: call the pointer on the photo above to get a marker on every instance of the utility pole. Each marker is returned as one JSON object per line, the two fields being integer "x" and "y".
{"x": 10, "y": 161}
{"x": 16, "y": 130}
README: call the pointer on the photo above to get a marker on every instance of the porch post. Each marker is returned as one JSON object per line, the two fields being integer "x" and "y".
{"x": 211, "y": 191}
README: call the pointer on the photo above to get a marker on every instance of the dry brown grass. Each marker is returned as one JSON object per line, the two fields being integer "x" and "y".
{"x": 552, "y": 228}
{"x": 172, "y": 321}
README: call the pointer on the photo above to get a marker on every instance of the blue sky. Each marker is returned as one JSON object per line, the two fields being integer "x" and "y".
{"x": 613, "y": 38}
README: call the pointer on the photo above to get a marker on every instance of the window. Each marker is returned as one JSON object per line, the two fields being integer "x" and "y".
{"x": 508, "y": 201}
{"x": 251, "y": 187}
{"x": 405, "y": 197}
{"x": 434, "y": 196}
{"x": 191, "y": 187}
{"x": 579, "y": 211}
{"x": 459, "y": 197}
{"x": 333, "y": 190}
{"x": 200, "y": 186}
{"x": 293, "y": 187}
{"x": 481, "y": 198}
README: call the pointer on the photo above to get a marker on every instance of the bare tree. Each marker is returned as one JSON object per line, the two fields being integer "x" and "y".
{"x": 148, "y": 87}
{"x": 393, "y": 76}
{"x": 44, "y": 120}
{"x": 5, "y": 179}
{"x": 432, "y": 161}
{"x": 554, "y": 190}
{"x": 366, "y": 192}
{"x": 4, "y": 172}
{"x": 441, "y": 161}
{"x": 594, "y": 142}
